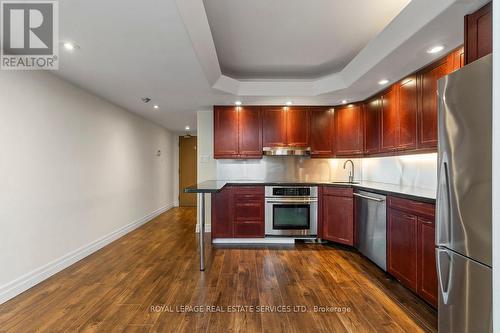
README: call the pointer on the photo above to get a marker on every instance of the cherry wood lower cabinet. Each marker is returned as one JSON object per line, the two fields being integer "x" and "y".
{"x": 238, "y": 212}
{"x": 337, "y": 215}
{"x": 411, "y": 246}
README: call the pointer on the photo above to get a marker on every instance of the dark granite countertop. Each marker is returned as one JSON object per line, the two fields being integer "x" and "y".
{"x": 404, "y": 191}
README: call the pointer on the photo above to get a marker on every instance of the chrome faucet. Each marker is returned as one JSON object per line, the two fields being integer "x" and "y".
{"x": 351, "y": 172}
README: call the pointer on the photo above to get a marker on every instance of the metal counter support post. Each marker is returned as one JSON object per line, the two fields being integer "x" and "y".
{"x": 202, "y": 231}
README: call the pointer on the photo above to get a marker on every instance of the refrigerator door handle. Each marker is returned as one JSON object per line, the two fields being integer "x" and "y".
{"x": 443, "y": 215}
{"x": 444, "y": 265}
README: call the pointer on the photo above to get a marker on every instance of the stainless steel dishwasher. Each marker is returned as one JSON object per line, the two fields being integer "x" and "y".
{"x": 371, "y": 226}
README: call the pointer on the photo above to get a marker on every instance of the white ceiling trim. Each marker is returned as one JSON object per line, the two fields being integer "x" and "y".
{"x": 400, "y": 38}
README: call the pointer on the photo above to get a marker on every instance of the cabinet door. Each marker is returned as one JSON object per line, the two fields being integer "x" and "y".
{"x": 322, "y": 132}
{"x": 390, "y": 121}
{"x": 248, "y": 207}
{"x": 402, "y": 247}
{"x": 407, "y": 113}
{"x": 222, "y": 219}
{"x": 372, "y": 111}
{"x": 338, "y": 218}
{"x": 349, "y": 130}
{"x": 427, "y": 113}
{"x": 297, "y": 126}
{"x": 478, "y": 34}
{"x": 457, "y": 59}
{"x": 427, "y": 286}
{"x": 225, "y": 132}
{"x": 273, "y": 127}
{"x": 250, "y": 132}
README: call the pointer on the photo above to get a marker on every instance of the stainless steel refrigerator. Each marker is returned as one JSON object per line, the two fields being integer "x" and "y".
{"x": 463, "y": 216}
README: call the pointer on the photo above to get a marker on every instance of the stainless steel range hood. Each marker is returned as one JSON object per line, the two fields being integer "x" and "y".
{"x": 286, "y": 151}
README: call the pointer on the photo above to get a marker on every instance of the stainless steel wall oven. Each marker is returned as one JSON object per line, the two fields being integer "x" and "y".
{"x": 291, "y": 211}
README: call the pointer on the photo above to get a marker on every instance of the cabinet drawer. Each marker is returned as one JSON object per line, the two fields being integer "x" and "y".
{"x": 249, "y": 229}
{"x": 249, "y": 190}
{"x": 411, "y": 206}
{"x": 251, "y": 210}
{"x": 338, "y": 191}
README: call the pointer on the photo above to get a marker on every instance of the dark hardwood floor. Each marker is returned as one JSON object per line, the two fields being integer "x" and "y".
{"x": 140, "y": 282}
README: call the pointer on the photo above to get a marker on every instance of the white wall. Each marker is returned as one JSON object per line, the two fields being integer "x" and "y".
{"x": 206, "y": 163}
{"x": 75, "y": 173}
{"x": 496, "y": 166}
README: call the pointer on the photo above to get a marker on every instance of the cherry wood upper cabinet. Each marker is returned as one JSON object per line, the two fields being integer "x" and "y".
{"x": 402, "y": 247}
{"x": 338, "y": 215}
{"x": 428, "y": 101}
{"x": 226, "y": 132}
{"x": 349, "y": 130}
{"x": 407, "y": 113}
{"x": 427, "y": 113}
{"x": 250, "y": 132}
{"x": 322, "y": 130}
{"x": 273, "y": 127}
{"x": 478, "y": 33}
{"x": 372, "y": 124}
{"x": 390, "y": 121}
{"x": 237, "y": 132}
{"x": 297, "y": 126}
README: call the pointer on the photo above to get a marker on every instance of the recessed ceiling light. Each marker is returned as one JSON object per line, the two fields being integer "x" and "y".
{"x": 344, "y": 101}
{"x": 156, "y": 106}
{"x": 382, "y": 82}
{"x": 237, "y": 103}
{"x": 435, "y": 49}
{"x": 69, "y": 46}
{"x": 288, "y": 103}
{"x": 187, "y": 128}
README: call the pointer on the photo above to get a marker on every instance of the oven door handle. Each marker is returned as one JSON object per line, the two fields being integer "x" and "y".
{"x": 275, "y": 201}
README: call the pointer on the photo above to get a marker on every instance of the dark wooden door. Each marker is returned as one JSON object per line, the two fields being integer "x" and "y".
{"x": 338, "y": 215}
{"x": 427, "y": 113}
{"x": 222, "y": 214}
{"x": 427, "y": 286}
{"x": 349, "y": 130}
{"x": 407, "y": 113}
{"x": 250, "y": 132}
{"x": 248, "y": 208}
{"x": 273, "y": 127}
{"x": 390, "y": 121}
{"x": 322, "y": 130}
{"x": 225, "y": 132}
{"x": 372, "y": 118}
{"x": 479, "y": 33}
{"x": 297, "y": 126}
{"x": 402, "y": 247}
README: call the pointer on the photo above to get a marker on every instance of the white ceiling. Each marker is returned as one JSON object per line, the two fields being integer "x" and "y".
{"x": 164, "y": 49}
{"x": 294, "y": 38}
